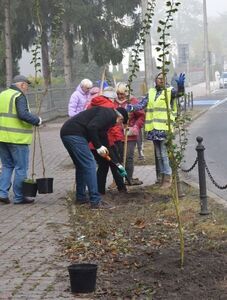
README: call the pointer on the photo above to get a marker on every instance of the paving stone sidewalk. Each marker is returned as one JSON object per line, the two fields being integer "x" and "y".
{"x": 31, "y": 265}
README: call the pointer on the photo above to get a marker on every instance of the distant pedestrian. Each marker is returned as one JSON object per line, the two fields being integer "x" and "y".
{"x": 79, "y": 98}
{"x": 90, "y": 125}
{"x": 16, "y": 122}
{"x": 217, "y": 78}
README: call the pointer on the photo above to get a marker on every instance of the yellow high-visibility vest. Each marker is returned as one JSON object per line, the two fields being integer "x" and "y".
{"x": 12, "y": 129}
{"x": 156, "y": 111}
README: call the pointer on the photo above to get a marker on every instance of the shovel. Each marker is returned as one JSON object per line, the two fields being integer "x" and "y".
{"x": 107, "y": 157}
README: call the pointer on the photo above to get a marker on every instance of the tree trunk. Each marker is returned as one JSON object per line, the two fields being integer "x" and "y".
{"x": 67, "y": 57}
{"x": 149, "y": 68}
{"x": 8, "y": 43}
{"x": 45, "y": 60}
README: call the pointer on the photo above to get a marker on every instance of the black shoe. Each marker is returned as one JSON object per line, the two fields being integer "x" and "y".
{"x": 122, "y": 190}
{"x": 25, "y": 201}
{"x": 81, "y": 202}
{"x": 5, "y": 200}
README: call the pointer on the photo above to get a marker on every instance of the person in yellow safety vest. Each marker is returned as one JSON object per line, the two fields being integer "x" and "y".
{"x": 16, "y": 122}
{"x": 156, "y": 121}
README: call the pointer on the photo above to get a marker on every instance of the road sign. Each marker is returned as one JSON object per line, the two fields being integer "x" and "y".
{"x": 183, "y": 53}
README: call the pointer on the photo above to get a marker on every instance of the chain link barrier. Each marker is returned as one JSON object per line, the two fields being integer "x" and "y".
{"x": 221, "y": 187}
{"x": 212, "y": 178}
{"x": 192, "y": 167}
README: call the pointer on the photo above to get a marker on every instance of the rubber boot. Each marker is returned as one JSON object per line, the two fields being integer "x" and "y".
{"x": 159, "y": 179}
{"x": 112, "y": 186}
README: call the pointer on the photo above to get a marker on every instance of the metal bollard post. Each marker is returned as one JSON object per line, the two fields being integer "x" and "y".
{"x": 189, "y": 99}
{"x": 192, "y": 104}
{"x": 202, "y": 176}
{"x": 185, "y": 102}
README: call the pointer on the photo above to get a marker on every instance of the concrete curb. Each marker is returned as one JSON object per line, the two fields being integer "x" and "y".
{"x": 210, "y": 194}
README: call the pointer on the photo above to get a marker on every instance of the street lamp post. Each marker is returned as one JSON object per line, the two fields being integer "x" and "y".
{"x": 206, "y": 49}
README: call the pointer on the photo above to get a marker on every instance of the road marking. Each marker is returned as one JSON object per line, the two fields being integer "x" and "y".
{"x": 219, "y": 102}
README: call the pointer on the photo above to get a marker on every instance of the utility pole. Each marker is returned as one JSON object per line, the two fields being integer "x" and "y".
{"x": 206, "y": 49}
{"x": 148, "y": 62}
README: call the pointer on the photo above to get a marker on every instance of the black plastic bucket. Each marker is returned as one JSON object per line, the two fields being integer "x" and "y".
{"x": 29, "y": 189}
{"x": 45, "y": 185}
{"x": 82, "y": 277}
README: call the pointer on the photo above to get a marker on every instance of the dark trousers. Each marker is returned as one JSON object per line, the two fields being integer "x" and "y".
{"x": 102, "y": 171}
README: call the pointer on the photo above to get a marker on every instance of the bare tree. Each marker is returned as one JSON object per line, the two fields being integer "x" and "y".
{"x": 67, "y": 57}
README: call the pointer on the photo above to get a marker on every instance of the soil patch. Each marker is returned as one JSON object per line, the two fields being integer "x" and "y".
{"x": 136, "y": 247}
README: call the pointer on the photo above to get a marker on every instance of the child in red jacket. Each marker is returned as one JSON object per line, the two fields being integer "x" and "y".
{"x": 135, "y": 123}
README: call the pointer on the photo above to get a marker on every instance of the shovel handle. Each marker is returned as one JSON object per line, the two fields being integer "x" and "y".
{"x": 107, "y": 157}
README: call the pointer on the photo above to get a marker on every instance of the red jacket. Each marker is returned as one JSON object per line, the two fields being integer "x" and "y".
{"x": 114, "y": 133}
{"x": 136, "y": 118}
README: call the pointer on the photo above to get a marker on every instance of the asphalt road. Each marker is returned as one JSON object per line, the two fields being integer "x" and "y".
{"x": 212, "y": 126}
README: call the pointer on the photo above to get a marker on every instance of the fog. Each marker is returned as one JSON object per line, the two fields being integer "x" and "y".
{"x": 216, "y": 7}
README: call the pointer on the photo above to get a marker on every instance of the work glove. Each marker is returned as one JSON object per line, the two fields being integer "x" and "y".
{"x": 102, "y": 151}
{"x": 105, "y": 83}
{"x": 121, "y": 170}
{"x": 180, "y": 82}
{"x": 132, "y": 131}
{"x": 129, "y": 108}
{"x": 40, "y": 121}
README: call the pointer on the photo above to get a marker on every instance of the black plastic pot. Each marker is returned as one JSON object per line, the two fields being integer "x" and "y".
{"x": 29, "y": 189}
{"x": 45, "y": 185}
{"x": 82, "y": 277}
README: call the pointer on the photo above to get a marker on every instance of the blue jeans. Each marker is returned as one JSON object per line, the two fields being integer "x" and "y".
{"x": 14, "y": 158}
{"x": 85, "y": 165}
{"x": 162, "y": 157}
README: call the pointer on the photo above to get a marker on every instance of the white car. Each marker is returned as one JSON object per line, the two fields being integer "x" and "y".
{"x": 223, "y": 80}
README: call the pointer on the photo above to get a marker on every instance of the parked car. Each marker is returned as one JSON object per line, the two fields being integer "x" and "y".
{"x": 223, "y": 80}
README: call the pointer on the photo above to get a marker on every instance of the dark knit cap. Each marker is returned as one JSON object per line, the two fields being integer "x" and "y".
{"x": 124, "y": 114}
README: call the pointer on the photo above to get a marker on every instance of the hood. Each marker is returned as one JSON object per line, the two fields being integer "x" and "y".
{"x": 94, "y": 92}
{"x": 79, "y": 89}
{"x": 102, "y": 101}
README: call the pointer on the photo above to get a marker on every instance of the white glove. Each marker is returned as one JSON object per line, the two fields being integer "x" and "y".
{"x": 102, "y": 151}
{"x": 40, "y": 121}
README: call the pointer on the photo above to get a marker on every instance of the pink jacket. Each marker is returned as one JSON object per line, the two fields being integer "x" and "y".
{"x": 136, "y": 119}
{"x": 78, "y": 101}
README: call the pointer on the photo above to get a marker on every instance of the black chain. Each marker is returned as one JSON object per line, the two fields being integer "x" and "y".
{"x": 212, "y": 178}
{"x": 192, "y": 167}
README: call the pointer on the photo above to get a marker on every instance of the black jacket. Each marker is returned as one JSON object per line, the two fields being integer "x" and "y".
{"x": 92, "y": 124}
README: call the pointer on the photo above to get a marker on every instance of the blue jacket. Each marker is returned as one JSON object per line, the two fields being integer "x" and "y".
{"x": 22, "y": 108}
